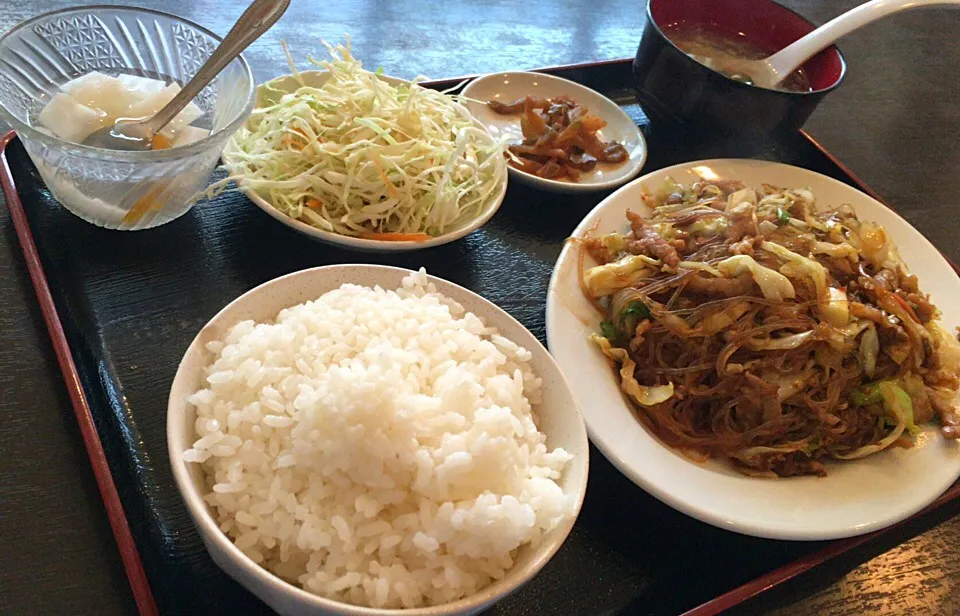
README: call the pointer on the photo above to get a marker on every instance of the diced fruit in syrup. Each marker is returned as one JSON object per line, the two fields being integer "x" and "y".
{"x": 70, "y": 120}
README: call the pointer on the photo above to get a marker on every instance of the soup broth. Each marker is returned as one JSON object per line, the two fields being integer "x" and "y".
{"x": 725, "y": 55}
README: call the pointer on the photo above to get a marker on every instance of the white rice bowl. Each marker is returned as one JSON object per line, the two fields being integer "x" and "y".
{"x": 377, "y": 447}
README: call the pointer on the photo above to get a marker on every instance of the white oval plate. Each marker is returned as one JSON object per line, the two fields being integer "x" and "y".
{"x": 511, "y": 86}
{"x": 316, "y": 79}
{"x": 557, "y": 413}
{"x": 855, "y": 497}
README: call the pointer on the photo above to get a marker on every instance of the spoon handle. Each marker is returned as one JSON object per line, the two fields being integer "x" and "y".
{"x": 256, "y": 20}
{"x": 791, "y": 57}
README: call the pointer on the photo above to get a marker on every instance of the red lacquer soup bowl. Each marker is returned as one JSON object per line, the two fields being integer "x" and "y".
{"x": 673, "y": 87}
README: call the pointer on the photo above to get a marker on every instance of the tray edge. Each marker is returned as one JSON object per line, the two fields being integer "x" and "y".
{"x": 119, "y": 524}
{"x": 118, "y": 520}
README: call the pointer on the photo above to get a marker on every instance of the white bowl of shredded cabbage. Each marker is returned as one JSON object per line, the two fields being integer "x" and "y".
{"x": 370, "y": 162}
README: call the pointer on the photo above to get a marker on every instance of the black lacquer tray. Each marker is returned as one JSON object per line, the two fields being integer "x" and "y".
{"x": 121, "y": 309}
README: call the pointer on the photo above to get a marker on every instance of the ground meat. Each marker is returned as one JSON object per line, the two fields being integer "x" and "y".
{"x": 841, "y": 269}
{"x": 856, "y": 426}
{"x": 907, "y": 282}
{"x": 673, "y": 198}
{"x": 949, "y": 420}
{"x": 791, "y": 464}
{"x": 638, "y": 335}
{"x": 894, "y": 341}
{"x": 921, "y": 306}
{"x": 744, "y": 246}
{"x": 931, "y": 360}
{"x": 943, "y": 379}
{"x": 598, "y": 250}
{"x": 887, "y": 279}
{"x": 871, "y": 313}
{"x": 922, "y": 409}
{"x": 743, "y": 223}
{"x": 650, "y": 243}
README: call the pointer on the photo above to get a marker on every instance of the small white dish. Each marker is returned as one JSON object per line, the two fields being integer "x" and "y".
{"x": 316, "y": 79}
{"x": 855, "y": 497}
{"x": 557, "y": 413}
{"x": 509, "y": 87}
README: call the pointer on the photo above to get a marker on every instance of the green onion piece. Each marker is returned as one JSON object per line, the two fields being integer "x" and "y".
{"x": 783, "y": 217}
{"x": 635, "y": 308}
{"x": 608, "y": 330}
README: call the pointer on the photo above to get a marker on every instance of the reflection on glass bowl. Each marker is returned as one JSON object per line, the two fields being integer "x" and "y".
{"x": 113, "y": 189}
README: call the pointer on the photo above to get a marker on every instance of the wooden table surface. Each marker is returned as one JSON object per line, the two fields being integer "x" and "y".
{"x": 894, "y": 122}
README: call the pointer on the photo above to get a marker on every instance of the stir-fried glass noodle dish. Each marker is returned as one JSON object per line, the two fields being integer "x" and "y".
{"x": 363, "y": 157}
{"x": 747, "y": 325}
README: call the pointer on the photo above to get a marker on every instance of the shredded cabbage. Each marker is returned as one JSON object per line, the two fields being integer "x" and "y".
{"x": 779, "y": 344}
{"x": 836, "y": 310}
{"x": 700, "y": 266}
{"x": 867, "y": 450}
{"x": 735, "y": 201}
{"x": 799, "y": 266}
{"x": 604, "y": 280}
{"x": 840, "y": 250}
{"x": 359, "y": 156}
{"x": 723, "y": 318}
{"x": 615, "y": 243}
{"x": 773, "y": 285}
{"x": 869, "y": 349}
{"x": 644, "y": 395}
{"x": 898, "y": 402}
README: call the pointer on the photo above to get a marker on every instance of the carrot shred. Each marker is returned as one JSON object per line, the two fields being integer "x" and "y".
{"x": 398, "y": 237}
{"x": 149, "y": 202}
{"x": 903, "y": 304}
{"x": 375, "y": 157}
{"x": 160, "y": 143}
{"x": 314, "y": 204}
{"x": 293, "y": 143}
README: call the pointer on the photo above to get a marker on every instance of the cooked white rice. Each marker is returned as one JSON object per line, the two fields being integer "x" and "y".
{"x": 377, "y": 447}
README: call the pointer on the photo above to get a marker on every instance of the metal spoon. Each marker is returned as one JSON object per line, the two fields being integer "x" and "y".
{"x": 769, "y": 72}
{"x": 137, "y": 134}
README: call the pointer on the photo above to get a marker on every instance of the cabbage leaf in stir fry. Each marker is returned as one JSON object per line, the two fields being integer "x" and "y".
{"x": 748, "y": 325}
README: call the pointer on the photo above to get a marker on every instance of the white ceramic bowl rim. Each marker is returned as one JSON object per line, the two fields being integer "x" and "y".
{"x": 23, "y": 128}
{"x": 201, "y": 515}
{"x": 711, "y": 491}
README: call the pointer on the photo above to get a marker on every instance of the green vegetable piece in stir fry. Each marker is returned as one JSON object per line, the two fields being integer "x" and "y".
{"x": 868, "y": 394}
{"x": 636, "y": 308}
{"x": 608, "y": 330}
{"x": 783, "y": 217}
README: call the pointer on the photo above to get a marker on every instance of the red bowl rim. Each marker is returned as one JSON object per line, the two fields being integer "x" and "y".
{"x": 740, "y": 84}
